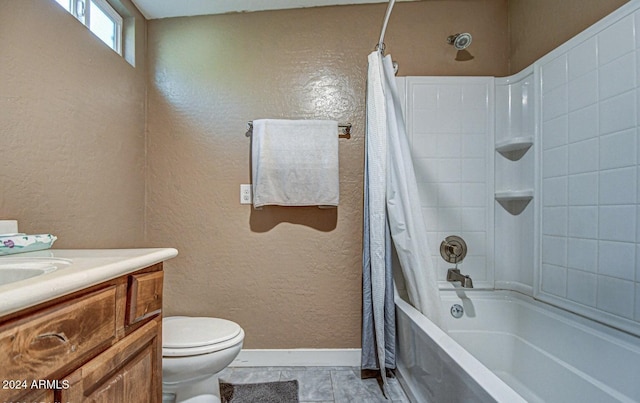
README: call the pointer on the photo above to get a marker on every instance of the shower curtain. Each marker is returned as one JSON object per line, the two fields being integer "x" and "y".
{"x": 392, "y": 210}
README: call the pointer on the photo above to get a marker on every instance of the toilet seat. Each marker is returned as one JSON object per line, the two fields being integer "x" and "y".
{"x": 186, "y": 336}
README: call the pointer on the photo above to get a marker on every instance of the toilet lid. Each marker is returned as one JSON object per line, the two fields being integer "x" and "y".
{"x": 189, "y": 332}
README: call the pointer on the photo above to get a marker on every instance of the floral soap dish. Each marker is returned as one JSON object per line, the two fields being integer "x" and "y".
{"x": 18, "y": 243}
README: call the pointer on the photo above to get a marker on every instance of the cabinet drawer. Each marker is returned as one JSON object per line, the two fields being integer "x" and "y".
{"x": 41, "y": 345}
{"x": 145, "y": 296}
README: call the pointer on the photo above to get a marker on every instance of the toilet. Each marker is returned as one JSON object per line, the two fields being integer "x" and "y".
{"x": 194, "y": 351}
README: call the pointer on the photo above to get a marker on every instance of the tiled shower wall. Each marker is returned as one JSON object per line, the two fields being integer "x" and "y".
{"x": 586, "y": 220}
{"x": 589, "y": 171}
{"x": 450, "y": 127}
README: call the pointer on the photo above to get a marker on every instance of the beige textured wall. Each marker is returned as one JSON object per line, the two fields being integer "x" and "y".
{"x": 290, "y": 276}
{"x": 539, "y": 26}
{"x": 417, "y": 37}
{"x": 72, "y": 118}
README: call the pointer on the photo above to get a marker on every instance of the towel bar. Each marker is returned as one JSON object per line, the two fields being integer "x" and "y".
{"x": 345, "y": 129}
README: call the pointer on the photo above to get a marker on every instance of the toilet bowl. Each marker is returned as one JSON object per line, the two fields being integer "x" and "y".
{"x": 194, "y": 351}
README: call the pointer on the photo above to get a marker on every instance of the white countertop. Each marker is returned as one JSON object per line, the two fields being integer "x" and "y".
{"x": 88, "y": 267}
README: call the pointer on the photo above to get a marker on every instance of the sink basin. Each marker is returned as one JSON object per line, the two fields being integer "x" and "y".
{"x": 16, "y": 268}
{"x": 10, "y": 275}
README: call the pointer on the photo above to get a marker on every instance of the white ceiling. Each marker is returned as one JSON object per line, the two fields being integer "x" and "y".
{"x": 153, "y": 9}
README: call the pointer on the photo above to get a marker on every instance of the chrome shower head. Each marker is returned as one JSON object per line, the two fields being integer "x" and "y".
{"x": 460, "y": 41}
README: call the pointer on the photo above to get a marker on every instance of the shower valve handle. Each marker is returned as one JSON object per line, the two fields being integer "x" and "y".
{"x": 453, "y": 249}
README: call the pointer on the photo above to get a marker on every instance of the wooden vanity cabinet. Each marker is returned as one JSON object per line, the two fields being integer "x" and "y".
{"x": 102, "y": 344}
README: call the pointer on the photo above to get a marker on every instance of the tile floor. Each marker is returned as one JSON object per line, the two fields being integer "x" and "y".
{"x": 321, "y": 384}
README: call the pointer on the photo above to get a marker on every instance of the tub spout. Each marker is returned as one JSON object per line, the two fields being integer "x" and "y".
{"x": 454, "y": 275}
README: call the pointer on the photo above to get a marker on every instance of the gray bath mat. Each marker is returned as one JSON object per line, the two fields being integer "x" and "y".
{"x": 267, "y": 392}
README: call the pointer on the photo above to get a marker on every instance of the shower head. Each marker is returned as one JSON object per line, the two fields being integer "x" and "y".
{"x": 460, "y": 41}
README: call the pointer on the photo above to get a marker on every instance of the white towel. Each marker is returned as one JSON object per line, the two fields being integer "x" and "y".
{"x": 295, "y": 162}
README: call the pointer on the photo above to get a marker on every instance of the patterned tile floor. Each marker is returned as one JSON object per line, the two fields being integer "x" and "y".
{"x": 321, "y": 384}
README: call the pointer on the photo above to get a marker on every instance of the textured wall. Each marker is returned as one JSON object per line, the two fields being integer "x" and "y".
{"x": 71, "y": 129}
{"x": 537, "y": 27}
{"x": 417, "y": 37}
{"x": 290, "y": 276}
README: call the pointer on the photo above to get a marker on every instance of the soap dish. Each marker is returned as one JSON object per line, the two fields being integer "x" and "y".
{"x": 19, "y": 243}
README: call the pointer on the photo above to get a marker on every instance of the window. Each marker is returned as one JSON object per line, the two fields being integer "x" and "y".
{"x": 100, "y": 18}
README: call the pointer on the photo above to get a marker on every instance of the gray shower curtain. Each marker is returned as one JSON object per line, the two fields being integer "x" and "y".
{"x": 369, "y": 353}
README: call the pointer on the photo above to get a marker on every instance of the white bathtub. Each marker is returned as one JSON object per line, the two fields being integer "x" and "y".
{"x": 511, "y": 348}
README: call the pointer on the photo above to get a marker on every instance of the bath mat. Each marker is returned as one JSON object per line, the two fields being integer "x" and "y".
{"x": 267, "y": 392}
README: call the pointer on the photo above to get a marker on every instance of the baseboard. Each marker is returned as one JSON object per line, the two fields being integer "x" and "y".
{"x": 299, "y": 357}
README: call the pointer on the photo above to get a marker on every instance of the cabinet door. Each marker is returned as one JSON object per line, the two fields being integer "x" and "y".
{"x": 131, "y": 384}
{"x": 128, "y": 372}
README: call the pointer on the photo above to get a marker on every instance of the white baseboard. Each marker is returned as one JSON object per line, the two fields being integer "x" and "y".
{"x": 299, "y": 357}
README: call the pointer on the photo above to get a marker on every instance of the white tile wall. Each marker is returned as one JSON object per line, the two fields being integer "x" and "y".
{"x": 582, "y": 287}
{"x": 589, "y": 194}
{"x": 583, "y": 254}
{"x": 616, "y": 40}
{"x": 617, "y": 113}
{"x": 450, "y": 129}
{"x": 583, "y": 157}
{"x": 583, "y": 58}
{"x": 581, "y": 189}
{"x": 583, "y": 124}
{"x": 583, "y": 91}
{"x": 554, "y": 221}
{"x": 554, "y": 280}
{"x": 618, "y": 150}
{"x": 556, "y": 132}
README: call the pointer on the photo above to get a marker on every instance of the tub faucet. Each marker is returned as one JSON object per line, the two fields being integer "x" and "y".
{"x": 454, "y": 275}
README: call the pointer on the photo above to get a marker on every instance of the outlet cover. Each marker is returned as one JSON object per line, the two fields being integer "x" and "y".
{"x": 245, "y": 194}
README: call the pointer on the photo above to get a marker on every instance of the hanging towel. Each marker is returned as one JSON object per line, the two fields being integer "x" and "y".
{"x": 295, "y": 162}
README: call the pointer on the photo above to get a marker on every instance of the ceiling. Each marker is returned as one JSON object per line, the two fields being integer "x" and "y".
{"x": 153, "y": 9}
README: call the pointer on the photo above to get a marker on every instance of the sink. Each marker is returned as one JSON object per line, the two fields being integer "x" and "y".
{"x": 11, "y": 275}
{"x": 21, "y": 268}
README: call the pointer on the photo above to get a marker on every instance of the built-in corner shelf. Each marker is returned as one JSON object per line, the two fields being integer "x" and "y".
{"x": 514, "y": 201}
{"x": 515, "y": 147}
{"x": 514, "y": 195}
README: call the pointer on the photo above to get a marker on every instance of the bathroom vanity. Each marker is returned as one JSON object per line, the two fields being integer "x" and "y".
{"x": 90, "y": 329}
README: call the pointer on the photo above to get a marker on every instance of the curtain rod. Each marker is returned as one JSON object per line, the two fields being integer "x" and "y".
{"x": 380, "y": 45}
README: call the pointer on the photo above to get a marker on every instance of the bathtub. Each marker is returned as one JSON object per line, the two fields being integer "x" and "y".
{"x": 507, "y": 347}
